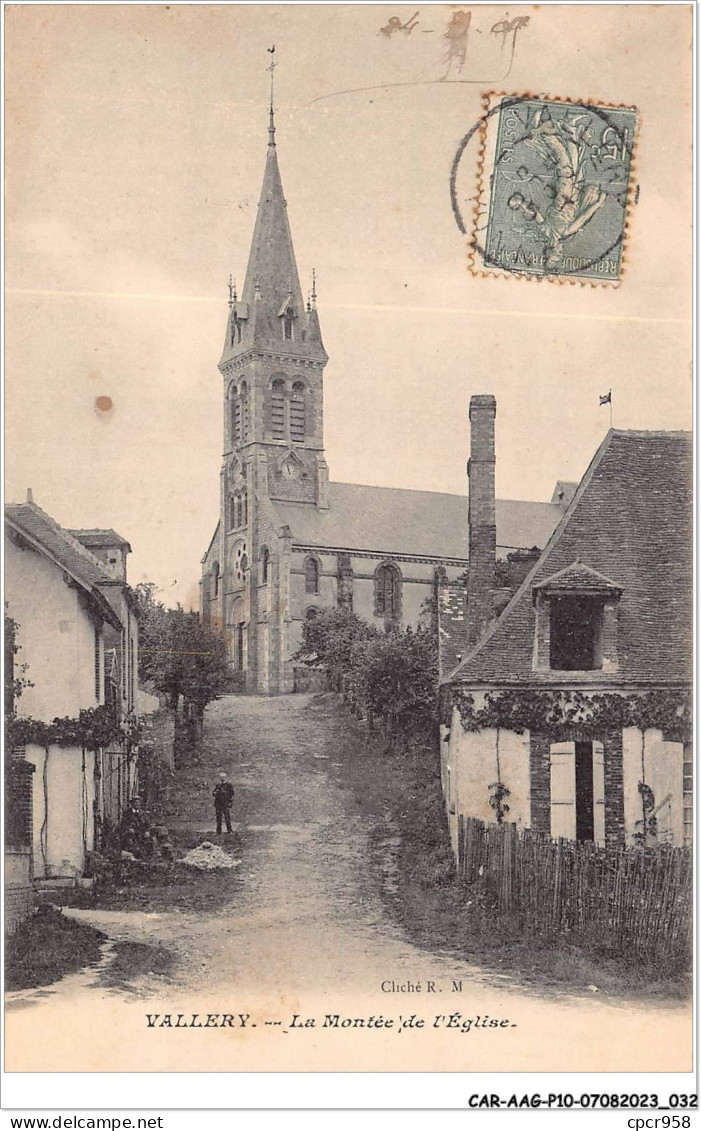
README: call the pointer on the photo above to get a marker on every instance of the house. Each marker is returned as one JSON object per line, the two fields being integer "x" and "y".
{"x": 78, "y": 635}
{"x": 572, "y": 707}
{"x": 289, "y": 542}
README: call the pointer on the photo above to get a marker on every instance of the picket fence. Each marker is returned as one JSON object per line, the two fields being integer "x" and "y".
{"x": 624, "y": 899}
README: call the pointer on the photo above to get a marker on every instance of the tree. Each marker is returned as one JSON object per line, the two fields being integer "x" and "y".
{"x": 15, "y": 677}
{"x": 179, "y": 655}
{"x": 395, "y": 677}
{"x": 328, "y": 641}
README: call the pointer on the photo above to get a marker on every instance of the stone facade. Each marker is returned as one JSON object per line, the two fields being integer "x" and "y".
{"x": 289, "y": 543}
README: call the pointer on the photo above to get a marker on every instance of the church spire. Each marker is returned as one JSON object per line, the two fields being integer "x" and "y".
{"x": 271, "y": 124}
{"x": 272, "y": 312}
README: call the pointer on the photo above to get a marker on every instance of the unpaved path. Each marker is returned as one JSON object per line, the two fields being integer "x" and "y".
{"x": 305, "y": 929}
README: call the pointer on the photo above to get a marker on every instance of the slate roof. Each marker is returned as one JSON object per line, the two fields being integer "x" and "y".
{"x": 630, "y": 520}
{"x": 577, "y": 578}
{"x": 97, "y": 537}
{"x": 390, "y": 520}
{"x": 66, "y": 551}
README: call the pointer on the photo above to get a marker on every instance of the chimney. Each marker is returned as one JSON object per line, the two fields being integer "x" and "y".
{"x": 481, "y": 517}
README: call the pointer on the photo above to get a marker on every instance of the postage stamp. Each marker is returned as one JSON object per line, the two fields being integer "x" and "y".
{"x": 554, "y": 193}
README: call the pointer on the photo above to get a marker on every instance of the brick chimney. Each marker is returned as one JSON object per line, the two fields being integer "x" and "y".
{"x": 481, "y": 517}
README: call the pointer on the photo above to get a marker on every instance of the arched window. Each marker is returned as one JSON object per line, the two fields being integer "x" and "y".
{"x": 288, "y": 324}
{"x": 231, "y": 513}
{"x": 297, "y": 413}
{"x": 244, "y": 412}
{"x": 277, "y": 409}
{"x": 238, "y": 510}
{"x": 215, "y": 579}
{"x": 388, "y": 591}
{"x": 234, "y": 415}
{"x": 264, "y": 564}
{"x": 312, "y": 572}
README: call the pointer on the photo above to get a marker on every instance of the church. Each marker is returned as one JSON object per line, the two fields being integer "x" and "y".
{"x": 289, "y": 542}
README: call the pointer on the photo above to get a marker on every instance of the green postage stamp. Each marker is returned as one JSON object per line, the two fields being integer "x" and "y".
{"x": 556, "y": 179}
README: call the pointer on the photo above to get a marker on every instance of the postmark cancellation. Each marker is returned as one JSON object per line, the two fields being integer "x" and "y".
{"x": 554, "y": 191}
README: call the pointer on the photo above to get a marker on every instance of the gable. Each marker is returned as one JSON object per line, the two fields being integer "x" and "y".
{"x": 630, "y": 521}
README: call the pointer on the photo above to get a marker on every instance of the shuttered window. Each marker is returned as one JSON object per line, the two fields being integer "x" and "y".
{"x": 297, "y": 414}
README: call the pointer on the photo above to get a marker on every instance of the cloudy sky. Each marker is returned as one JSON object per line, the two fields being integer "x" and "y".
{"x": 135, "y": 150}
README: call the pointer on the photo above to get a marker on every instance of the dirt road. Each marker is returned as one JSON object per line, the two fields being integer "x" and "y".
{"x": 305, "y": 929}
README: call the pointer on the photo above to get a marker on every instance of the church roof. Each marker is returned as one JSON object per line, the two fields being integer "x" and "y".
{"x": 390, "y": 520}
{"x": 272, "y": 288}
{"x": 630, "y": 520}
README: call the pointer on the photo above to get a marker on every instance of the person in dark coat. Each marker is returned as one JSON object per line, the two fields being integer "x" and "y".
{"x": 223, "y": 793}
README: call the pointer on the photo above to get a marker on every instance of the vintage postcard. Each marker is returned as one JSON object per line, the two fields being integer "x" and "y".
{"x": 324, "y": 753}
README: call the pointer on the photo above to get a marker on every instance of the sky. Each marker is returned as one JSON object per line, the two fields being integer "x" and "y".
{"x": 136, "y": 139}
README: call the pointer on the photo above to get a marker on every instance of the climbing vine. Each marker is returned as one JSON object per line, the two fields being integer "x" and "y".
{"x": 566, "y": 711}
{"x": 95, "y": 728}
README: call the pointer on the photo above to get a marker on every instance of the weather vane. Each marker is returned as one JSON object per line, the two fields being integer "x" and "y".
{"x": 271, "y": 68}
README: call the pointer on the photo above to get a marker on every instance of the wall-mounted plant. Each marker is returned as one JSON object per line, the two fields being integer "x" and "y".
{"x": 646, "y": 834}
{"x": 498, "y": 794}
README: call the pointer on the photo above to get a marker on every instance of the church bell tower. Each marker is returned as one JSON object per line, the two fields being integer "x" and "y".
{"x": 272, "y": 369}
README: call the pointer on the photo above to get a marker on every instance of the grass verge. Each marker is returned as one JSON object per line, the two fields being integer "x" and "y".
{"x": 46, "y": 947}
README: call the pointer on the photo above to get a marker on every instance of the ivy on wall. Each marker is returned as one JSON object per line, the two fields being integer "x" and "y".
{"x": 564, "y": 712}
{"x": 95, "y": 728}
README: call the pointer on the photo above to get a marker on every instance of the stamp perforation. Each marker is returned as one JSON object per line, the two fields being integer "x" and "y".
{"x": 491, "y": 104}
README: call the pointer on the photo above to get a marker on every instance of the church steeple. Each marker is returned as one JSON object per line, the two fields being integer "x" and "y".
{"x": 272, "y": 279}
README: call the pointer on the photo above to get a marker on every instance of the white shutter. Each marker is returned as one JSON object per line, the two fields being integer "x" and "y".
{"x": 563, "y": 812}
{"x": 599, "y": 793}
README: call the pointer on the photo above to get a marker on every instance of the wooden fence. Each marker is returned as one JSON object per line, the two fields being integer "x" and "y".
{"x": 625, "y": 900}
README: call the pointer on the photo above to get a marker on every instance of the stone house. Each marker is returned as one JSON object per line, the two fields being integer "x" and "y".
{"x": 78, "y": 634}
{"x": 289, "y": 542}
{"x": 576, "y": 698}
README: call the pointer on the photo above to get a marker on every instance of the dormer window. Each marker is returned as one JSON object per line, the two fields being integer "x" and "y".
{"x": 576, "y": 621}
{"x": 287, "y": 315}
{"x": 576, "y": 634}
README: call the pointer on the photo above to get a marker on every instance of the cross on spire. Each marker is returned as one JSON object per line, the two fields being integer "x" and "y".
{"x": 271, "y": 68}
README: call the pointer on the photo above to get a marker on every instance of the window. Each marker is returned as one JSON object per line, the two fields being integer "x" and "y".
{"x": 98, "y": 666}
{"x": 234, "y": 415}
{"x": 132, "y": 672}
{"x": 277, "y": 409}
{"x": 215, "y": 579}
{"x": 264, "y": 564}
{"x": 388, "y": 591}
{"x": 312, "y": 613}
{"x": 312, "y": 572}
{"x": 297, "y": 413}
{"x": 244, "y": 412}
{"x": 288, "y": 324}
{"x": 576, "y": 633}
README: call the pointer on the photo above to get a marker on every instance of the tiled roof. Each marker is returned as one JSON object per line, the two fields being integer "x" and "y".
{"x": 66, "y": 550}
{"x": 630, "y": 520}
{"x": 576, "y": 578}
{"x": 107, "y": 537}
{"x": 390, "y": 520}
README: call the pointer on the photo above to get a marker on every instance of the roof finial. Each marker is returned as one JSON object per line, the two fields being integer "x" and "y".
{"x": 271, "y": 68}
{"x": 313, "y": 286}
{"x": 30, "y": 496}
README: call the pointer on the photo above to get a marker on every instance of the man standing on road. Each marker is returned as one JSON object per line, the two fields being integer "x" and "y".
{"x": 223, "y": 799}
